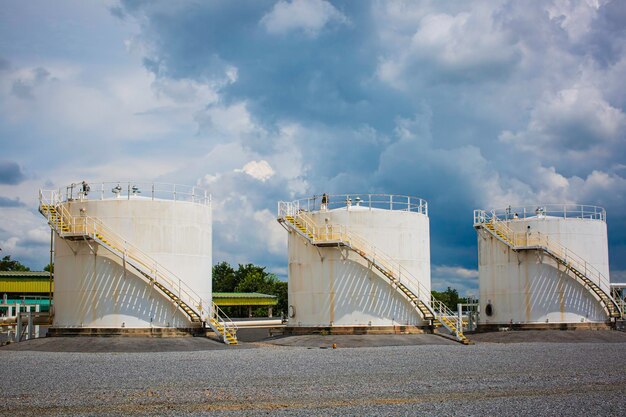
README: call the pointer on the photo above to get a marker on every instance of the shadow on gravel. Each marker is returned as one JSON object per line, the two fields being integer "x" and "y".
{"x": 119, "y": 344}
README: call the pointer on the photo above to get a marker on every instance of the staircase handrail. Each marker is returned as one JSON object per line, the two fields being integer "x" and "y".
{"x": 443, "y": 310}
{"x": 91, "y": 226}
{"x": 522, "y": 240}
{"x": 220, "y": 316}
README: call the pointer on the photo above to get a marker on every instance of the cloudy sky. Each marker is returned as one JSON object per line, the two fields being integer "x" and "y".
{"x": 466, "y": 104}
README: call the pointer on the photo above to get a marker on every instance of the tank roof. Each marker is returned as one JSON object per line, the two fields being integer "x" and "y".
{"x": 127, "y": 190}
{"x": 564, "y": 211}
{"x": 357, "y": 201}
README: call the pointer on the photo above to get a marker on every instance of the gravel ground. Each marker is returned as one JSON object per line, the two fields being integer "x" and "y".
{"x": 483, "y": 379}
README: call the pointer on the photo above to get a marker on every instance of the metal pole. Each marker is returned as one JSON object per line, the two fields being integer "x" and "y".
{"x": 37, "y": 310}
{"x": 30, "y": 324}
{"x": 51, "y": 276}
{"x": 18, "y": 326}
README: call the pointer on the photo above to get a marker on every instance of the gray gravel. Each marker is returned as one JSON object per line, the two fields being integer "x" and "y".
{"x": 483, "y": 379}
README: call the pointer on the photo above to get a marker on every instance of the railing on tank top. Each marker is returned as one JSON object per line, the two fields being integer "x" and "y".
{"x": 90, "y": 226}
{"x": 129, "y": 190}
{"x": 535, "y": 239}
{"x": 567, "y": 211}
{"x": 370, "y": 201}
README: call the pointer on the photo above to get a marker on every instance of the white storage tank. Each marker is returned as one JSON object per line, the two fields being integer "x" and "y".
{"x": 334, "y": 286}
{"x": 522, "y": 284}
{"x": 171, "y": 225}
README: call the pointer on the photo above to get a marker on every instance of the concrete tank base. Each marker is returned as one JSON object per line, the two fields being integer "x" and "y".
{"x": 344, "y": 330}
{"x": 483, "y": 328}
{"x": 128, "y": 332}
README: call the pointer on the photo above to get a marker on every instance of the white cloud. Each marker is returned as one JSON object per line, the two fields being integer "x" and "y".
{"x": 464, "y": 280}
{"x": 575, "y": 17}
{"x": 260, "y": 170}
{"x": 455, "y": 271}
{"x": 121, "y": 106}
{"x": 575, "y": 124}
{"x": 26, "y": 237}
{"x": 309, "y": 16}
{"x": 270, "y": 232}
{"x": 229, "y": 122}
{"x": 451, "y": 47}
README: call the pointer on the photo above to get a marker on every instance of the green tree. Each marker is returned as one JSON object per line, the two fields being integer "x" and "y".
{"x": 224, "y": 279}
{"x": 249, "y": 278}
{"x": 7, "y": 264}
{"x": 283, "y": 298}
{"x": 49, "y": 268}
{"x": 253, "y": 278}
{"x": 449, "y": 297}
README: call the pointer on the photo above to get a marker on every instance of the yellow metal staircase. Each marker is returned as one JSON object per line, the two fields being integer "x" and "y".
{"x": 298, "y": 224}
{"x": 186, "y": 299}
{"x": 55, "y": 220}
{"x": 577, "y": 267}
{"x": 338, "y": 236}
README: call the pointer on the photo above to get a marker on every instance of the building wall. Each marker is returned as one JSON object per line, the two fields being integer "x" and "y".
{"x": 93, "y": 289}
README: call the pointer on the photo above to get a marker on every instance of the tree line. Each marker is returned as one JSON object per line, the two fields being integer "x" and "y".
{"x": 249, "y": 278}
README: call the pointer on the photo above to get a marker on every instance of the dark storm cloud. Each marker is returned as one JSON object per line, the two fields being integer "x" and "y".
{"x": 10, "y": 202}
{"x": 11, "y": 173}
{"x": 24, "y": 88}
{"x": 5, "y": 64}
{"x": 327, "y": 78}
{"x": 466, "y": 104}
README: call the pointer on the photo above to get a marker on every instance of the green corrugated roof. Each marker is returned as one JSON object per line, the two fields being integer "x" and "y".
{"x": 224, "y": 299}
{"x": 26, "y": 274}
{"x": 241, "y": 295}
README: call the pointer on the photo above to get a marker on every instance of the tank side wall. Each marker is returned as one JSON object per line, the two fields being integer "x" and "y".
{"x": 331, "y": 286}
{"x": 95, "y": 290}
{"x": 529, "y": 286}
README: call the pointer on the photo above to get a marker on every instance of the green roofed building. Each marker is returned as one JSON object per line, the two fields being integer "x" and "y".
{"x": 26, "y": 287}
{"x": 245, "y": 299}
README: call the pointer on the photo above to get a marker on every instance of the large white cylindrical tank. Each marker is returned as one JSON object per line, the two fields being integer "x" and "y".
{"x": 330, "y": 286}
{"x": 92, "y": 287}
{"x": 530, "y": 287}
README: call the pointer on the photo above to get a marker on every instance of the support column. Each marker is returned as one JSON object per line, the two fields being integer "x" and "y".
{"x": 30, "y": 329}
{"x": 269, "y": 312}
{"x": 249, "y": 311}
{"x": 37, "y": 311}
{"x": 18, "y": 327}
